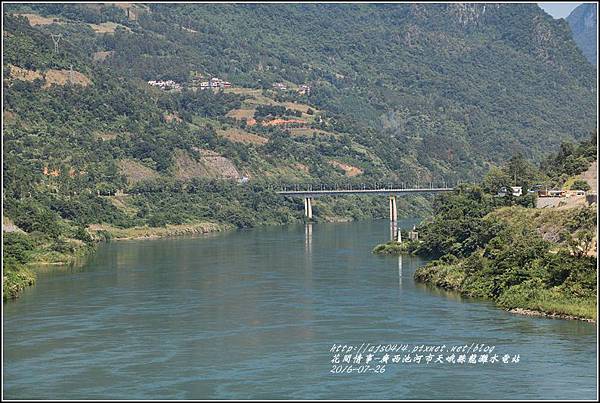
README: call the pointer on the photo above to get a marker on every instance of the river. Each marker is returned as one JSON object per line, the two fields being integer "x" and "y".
{"x": 254, "y": 314}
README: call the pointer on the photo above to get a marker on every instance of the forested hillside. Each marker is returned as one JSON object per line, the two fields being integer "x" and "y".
{"x": 364, "y": 94}
{"x": 429, "y": 89}
{"x": 533, "y": 258}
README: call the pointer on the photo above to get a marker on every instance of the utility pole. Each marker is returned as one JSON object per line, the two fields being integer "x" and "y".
{"x": 56, "y": 40}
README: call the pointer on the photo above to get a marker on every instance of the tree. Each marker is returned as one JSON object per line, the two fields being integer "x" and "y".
{"x": 580, "y": 184}
{"x": 495, "y": 179}
{"x": 581, "y": 243}
{"x": 17, "y": 246}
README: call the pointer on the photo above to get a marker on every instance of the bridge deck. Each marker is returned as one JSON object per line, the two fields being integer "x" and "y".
{"x": 343, "y": 192}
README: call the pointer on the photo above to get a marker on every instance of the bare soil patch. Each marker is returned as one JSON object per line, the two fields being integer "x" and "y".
{"x": 348, "y": 169}
{"x": 9, "y": 116}
{"x": 35, "y": 19}
{"x": 9, "y": 226}
{"x": 187, "y": 167}
{"x": 591, "y": 176}
{"x": 107, "y": 27}
{"x": 240, "y": 114}
{"x": 105, "y": 135}
{"x": 102, "y": 55}
{"x": 135, "y": 172}
{"x": 278, "y": 122}
{"x": 170, "y": 117}
{"x": 63, "y": 77}
{"x": 23, "y": 74}
{"x": 208, "y": 165}
{"x": 241, "y": 136}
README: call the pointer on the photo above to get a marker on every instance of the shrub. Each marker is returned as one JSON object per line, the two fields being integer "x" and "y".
{"x": 17, "y": 246}
{"x": 580, "y": 184}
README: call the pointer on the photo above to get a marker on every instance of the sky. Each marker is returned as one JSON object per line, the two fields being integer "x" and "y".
{"x": 558, "y": 10}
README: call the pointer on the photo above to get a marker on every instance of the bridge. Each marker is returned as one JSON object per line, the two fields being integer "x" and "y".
{"x": 391, "y": 192}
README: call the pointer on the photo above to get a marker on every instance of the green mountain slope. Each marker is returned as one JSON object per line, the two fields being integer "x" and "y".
{"x": 584, "y": 25}
{"x": 399, "y": 93}
{"x": 448, "y": 87}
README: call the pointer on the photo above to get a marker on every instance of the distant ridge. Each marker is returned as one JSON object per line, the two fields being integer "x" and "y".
{"x": 583, "y": 23}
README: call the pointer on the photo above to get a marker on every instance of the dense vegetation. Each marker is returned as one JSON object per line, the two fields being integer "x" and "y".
{"x": 571, "y": 159}
{"x": 501, "y": 248}
{"x": 441, "y": 88}
{"x": 401, "y": 93}
{"x": 263, "y": 111}
{"x": 518, "y": 257}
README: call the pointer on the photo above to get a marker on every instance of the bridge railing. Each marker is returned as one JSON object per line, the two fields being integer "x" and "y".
{"x": 366, "y": 187}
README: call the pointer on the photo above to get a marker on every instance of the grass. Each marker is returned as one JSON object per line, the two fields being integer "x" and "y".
{"x": 391, "y": 248}
{"x": 554, "y": 301}
{"x": 242, "y": 136}
{"x": 15, "y": 278}
{"x": 577, "y": 308}
{"x": 108, "y": 232}
{"x": 446, "y": 276}
{"x": 569, "y": 182}
{"x": 527, "y": 296}
{"x": 46, "y": 256}
{"x": 349, "y": 170}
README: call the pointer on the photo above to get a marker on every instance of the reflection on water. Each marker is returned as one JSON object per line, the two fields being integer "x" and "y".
{"x": 308, "y": 237}
{"x": 448, "y": 294}
{"x": 253, "y": 315}
{"x": 400, "y": 271}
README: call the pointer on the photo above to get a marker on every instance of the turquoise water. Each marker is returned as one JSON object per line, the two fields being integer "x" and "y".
{"x": 254, "y": 314}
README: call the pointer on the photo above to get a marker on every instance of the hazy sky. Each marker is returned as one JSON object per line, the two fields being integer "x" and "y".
{"x": 558, "y": 10}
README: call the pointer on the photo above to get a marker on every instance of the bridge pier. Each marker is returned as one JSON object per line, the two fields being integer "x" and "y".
{"x": 308, "y": 207}
{"x": 393, "y": 209}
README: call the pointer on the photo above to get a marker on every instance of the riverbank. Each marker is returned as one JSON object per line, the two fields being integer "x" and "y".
{"x": 15, "y": 279}
{"x": 22, "y": 252}
{"x": 391, "y": 248}
{"x": 528, "y": 312}
{"x": 107, "y": 232}
{"x": 395, "y": 248}
{"x": 529, "y": 298}
{"x": 524, "y": 259}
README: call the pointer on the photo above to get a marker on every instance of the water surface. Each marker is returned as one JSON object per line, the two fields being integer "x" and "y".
{"x": 253, "y": 314}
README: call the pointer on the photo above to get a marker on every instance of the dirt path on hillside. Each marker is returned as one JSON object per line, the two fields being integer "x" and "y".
{"x": 591, "y": 176}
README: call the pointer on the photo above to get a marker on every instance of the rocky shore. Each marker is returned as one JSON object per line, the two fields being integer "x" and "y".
{"x": 529, "y": 312}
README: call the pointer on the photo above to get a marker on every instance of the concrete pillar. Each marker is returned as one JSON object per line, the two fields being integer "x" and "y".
{"x": 308, "y": 207}
{"x": 393, "y": 209}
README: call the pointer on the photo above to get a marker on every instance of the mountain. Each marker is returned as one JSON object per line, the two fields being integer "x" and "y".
{"x": 397, "y": 93}
{"x": 583, "y": 23}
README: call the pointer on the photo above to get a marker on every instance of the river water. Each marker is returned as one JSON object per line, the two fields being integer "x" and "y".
{"x": 254, "y": 314}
